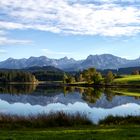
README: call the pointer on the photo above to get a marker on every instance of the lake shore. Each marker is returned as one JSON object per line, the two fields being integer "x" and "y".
{"x": 112, "y": 128}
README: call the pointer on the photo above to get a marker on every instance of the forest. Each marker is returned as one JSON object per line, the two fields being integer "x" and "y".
{"x": 16, "y": 76}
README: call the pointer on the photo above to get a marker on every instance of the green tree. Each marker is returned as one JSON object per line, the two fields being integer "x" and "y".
{"x": 80, "y": 78}
{"x": 97, "y": 78}
{"x": 65, "y": 78}
{"x": 71, "y": 80}
{"x": 109, "y": 77}
{"x": 16, "y": 76}
{"x": 89, "y": 75}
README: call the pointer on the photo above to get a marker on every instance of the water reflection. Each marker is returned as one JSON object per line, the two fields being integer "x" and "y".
{"x": 109, "y": 94}
{"x": 97, "y": 103}
{"x": 17, "y": 89}
{"x": 91, "y": 95}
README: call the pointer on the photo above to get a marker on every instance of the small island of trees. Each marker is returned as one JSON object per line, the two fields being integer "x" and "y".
{"x": 89, "y": 76}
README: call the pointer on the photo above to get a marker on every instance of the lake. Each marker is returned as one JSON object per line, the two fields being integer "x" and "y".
{"x": 96, "y": 103}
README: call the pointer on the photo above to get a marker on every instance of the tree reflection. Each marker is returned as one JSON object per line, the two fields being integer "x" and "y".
{"x": 18, "y": 89}
{"x": 88, "y": 94}
{"x": 109, "y": 94}
{"x": 69, "y": 89}
{"x": 91, "y": 95}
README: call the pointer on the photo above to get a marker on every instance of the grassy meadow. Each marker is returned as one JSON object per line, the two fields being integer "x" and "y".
{"x": 115, "y": 132}
{"x": 128, "y": 79}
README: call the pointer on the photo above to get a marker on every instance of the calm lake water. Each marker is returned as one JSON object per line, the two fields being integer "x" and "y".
{"x": 95, "y": 103}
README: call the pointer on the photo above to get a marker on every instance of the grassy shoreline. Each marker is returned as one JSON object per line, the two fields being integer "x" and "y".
{"x": 62, "y": 126}
{"x": 61, "y": 119}
{"x": 125, "y": 81}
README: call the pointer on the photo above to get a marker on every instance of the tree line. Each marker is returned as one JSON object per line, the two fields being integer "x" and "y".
{"x": 44, "y": 75}
{"x": 16, "y": 76}
{"x": 90, "y": 76}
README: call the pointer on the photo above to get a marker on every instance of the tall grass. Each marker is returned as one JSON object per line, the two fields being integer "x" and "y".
{"x": 120, "y": 120}
{"x": 60, "y": 119}
{"x": 43, "y": 120}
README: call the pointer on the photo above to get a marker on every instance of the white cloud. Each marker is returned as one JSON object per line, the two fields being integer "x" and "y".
{"x": 47, "y": 51}
{"x": 2, "y": 51}
{"x": 4, "y": 40}
{"x": 2, "y": 32}
{"x": 78, "y": 18}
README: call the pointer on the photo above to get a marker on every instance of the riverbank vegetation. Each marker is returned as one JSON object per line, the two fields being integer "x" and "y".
{"x": 61, "y": 119}
{"x": 61, "y": 126}
{"x": 58, "y": 119}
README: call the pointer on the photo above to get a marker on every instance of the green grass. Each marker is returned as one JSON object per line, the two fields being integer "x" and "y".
{"x": 128, "y": 79}
{"x": 86, "y": 133}
{"x": 111, "y": 128}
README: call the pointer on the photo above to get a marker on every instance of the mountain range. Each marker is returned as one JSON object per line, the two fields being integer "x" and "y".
{"x": 104, "y": 61}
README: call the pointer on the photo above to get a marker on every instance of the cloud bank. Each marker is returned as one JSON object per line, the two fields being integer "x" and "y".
{"x": 83, "y": 17}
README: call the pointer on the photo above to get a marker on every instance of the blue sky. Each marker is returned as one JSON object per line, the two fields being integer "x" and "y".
{"x": 69, "y": 28}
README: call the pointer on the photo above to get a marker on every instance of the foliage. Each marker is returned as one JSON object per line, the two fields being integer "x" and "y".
{"x": 91, "y": 76}
{"x": 48, "y": 75}
{"x": 68, "y": 78}
{"x": 16, "y": 76}
{"x": 109, "y": 77}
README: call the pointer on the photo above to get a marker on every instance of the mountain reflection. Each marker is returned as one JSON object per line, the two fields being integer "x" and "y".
{"x": 86, "y": 94}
